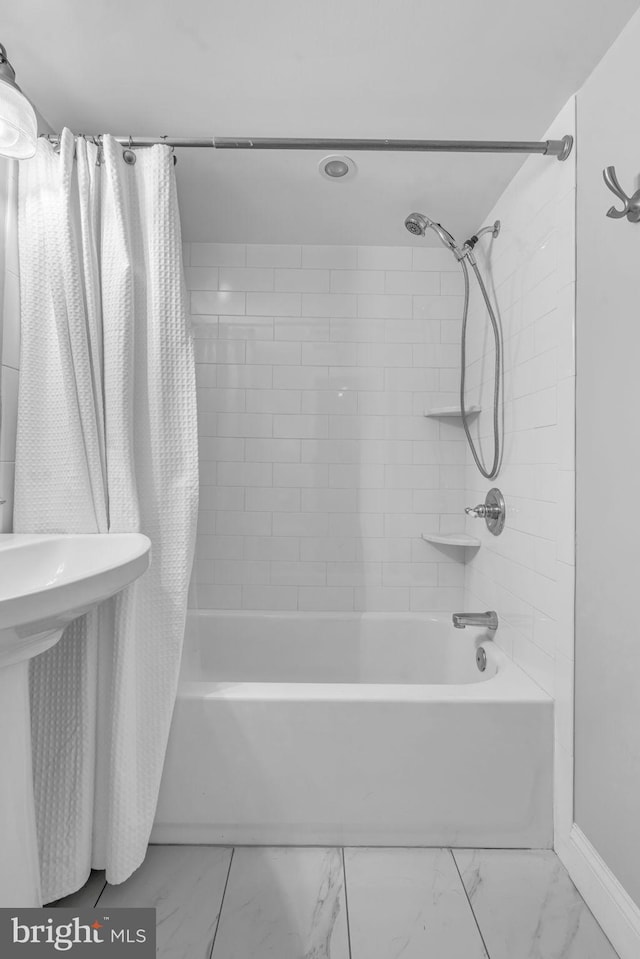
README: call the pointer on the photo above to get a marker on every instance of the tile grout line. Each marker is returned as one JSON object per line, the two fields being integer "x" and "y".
{"x": 346, "y": 901}
{"x": 224, "y": 892}
{"x": 475, "y": 918}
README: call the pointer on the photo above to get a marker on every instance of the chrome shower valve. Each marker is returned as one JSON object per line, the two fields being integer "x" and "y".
{"x": 492, "y": 511}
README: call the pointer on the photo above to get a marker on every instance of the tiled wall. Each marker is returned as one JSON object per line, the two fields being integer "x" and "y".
{"x": 9, "y": 336}
{"x": 527, "y": 573}
{"x": 318, "y": 469}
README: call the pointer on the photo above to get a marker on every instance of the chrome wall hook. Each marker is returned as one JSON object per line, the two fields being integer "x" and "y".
{"x": 631, "y": 204}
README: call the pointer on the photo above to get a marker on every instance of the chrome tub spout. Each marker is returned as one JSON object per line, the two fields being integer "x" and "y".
{"x": 488, "y": 619}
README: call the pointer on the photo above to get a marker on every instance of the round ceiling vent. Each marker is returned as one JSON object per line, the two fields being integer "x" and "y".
{"x": 336, "y": 167}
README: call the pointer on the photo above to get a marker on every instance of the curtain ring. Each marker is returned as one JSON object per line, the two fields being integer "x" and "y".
{"x": 173, "y": 149}
{"x": 128, "y": 155}
{"x": 97, "y": 142}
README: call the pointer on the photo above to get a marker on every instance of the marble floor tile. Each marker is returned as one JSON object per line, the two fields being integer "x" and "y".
{"x": 408, "y": 904}
{"x": 527, "y": 907}
{"x": 284, "y": 903}
{"x": 86, "y": 897}
{"x": 185, "y": 884}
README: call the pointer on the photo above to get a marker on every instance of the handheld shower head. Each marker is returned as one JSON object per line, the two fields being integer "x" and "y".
{"x": 417, "y": 224}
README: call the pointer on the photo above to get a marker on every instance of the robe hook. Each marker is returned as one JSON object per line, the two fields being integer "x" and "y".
{"x": 631, "y": 204}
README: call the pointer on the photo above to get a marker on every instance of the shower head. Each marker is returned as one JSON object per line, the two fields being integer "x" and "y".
{"x": 417, "y": 223}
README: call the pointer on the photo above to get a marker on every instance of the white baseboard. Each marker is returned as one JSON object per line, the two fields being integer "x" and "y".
{"x": 610, "y": 903}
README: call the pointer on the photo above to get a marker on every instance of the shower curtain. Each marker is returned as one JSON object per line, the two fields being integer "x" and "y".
{"x": 107, "y": 442}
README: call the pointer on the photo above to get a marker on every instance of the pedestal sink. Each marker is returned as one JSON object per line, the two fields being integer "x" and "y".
{"x": 45, "y": 582}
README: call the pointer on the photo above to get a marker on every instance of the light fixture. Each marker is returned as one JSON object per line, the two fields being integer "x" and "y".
{"x": 18, "y": 124}
{"x": 336, "y": 167}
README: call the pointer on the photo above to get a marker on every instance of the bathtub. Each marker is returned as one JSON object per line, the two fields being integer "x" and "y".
{"x": 353, "y": 729}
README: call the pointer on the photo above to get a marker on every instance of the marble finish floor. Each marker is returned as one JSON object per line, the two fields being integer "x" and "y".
{"x": 216, "y": 902}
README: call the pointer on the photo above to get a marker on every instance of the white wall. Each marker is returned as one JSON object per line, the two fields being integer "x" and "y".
{"x": 607, "y": 748}
{"x": 9, "y": 336}
{"x": 527, "y": 573}
{"x": 318, "y": 469}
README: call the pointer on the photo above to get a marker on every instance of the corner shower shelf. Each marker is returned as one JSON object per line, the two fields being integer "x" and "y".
{"x": 451, "y": 539}
{"x": 452, "y": 411}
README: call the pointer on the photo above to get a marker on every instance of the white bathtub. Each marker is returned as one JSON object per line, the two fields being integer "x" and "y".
{"x": 353, "y": 729}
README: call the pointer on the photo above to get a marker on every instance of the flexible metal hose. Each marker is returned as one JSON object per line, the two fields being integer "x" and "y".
{"x": 497, "y": 450}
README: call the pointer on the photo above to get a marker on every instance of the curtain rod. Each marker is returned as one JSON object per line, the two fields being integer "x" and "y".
{"x": 557, "y": 148}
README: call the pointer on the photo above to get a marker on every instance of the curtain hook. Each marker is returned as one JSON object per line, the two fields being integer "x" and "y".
{"x": 173, "y": 149}
{"x": 128, "y": 155}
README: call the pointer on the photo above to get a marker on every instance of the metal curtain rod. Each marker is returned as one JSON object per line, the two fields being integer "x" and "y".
{"x": 557, "y": 148}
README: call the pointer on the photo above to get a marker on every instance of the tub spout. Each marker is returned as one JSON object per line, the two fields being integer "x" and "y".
{"x": 488, "y": 619}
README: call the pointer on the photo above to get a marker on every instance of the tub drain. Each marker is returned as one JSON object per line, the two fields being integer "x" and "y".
{"x": 481, "y": 659}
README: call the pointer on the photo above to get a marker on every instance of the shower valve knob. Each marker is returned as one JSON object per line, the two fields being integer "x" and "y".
{"x": 482, "y": 511}
{"x": 492, "y": 511}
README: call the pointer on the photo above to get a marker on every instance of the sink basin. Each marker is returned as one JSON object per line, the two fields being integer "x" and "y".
{"x": 48, "y": 580}
{"x": 45, "y": 582}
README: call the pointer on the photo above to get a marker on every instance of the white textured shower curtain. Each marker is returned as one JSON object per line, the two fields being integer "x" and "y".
{"x": 107, "y": 442}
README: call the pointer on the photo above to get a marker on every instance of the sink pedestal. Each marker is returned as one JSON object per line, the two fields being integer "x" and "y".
{"x": 19, "y": 866}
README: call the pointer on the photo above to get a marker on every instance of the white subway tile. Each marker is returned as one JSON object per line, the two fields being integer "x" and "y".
{"x": 245, "y": 424}
{"x": 329, "y": 304}
{"x": 356, "y": 378}
{"x": 245, "y": 474}
{"x": 380, "y": 550}
{"x": 236, "y": 523}
{"x": 329, "y": 401}
{"x": 221, "y": 497}
{"x": 384, "y": 257}
{"x": 355, "y": 330}
{"x": 352, "y": 525}
{"x": 328, "y": 549}
{"x": 211, "y": 449}
{"x": 356, "y": 476}
{"x": 237, "y": 376}
{"x": 216, "y": 303}
{"x": 246, "y": 280}
{"x": 201, "y": 277}
{"x": 381, "y": 599}
{"x": 434, "y": 258}
{"x": 354, "y": 574}
{"x": 273, "y": 450}
{"x": 329, "y": 257}
{"x": 300, "y": 329}
{"x": 300, "y": 524}
{"x": 271, "y": 549}
{"x": 217, "y": 597}
{"x": 269, "y": 597}
{"x": 452, "y": 284}
{"x": 274, "y": 255}
{"x": 437, "y": 307}
{"x": 314, "y": 475}
{"x": 384, "y": 306}
{"x": 384, "y": 354}
{"x": 239, "y": 572}
{"x": 334, "y": 598}
{"x": 219, "y": 547}
{"x": 273, "y": 401}
{"x": 273, "y": 353}
{"x": 303, "y": 281}
{"x": 412, "y": 282}
{"x": 298, "y": 574}
{"x": 301, "y": 377}
{"x": 329, "y": 500}
{"x": 273, "y": 304}
{"x": 271, "y": 499}
{"x": 330, "y": 354}
{"x": 217, "y": 254}
{"x": 301, "y": 426}
{"x": 357, "y": 281}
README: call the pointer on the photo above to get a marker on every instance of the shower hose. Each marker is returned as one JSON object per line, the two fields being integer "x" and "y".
{"x": 492, "y": 472}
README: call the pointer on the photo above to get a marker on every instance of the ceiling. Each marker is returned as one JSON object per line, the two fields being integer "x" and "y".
{"x": 460, "y": 69}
